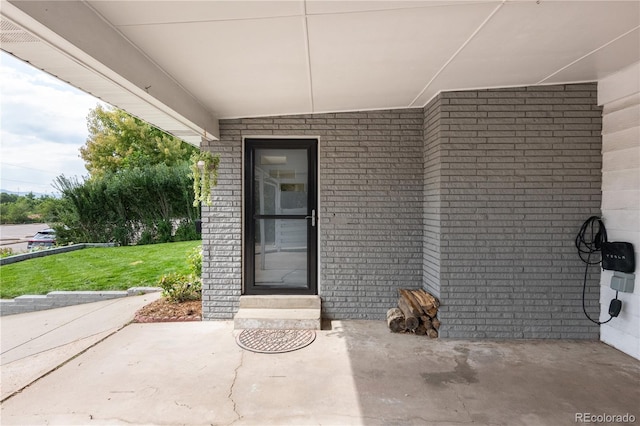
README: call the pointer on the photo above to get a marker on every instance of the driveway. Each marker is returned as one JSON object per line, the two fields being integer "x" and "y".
{"x": 15, "y": 237}
{"x": 354, "y": 373}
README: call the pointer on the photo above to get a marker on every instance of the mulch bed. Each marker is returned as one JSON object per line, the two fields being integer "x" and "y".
{"x": 162, "y": 310}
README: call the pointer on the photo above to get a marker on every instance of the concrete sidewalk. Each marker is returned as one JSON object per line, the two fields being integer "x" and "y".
{"x": 355, "y": 373}
{"x": 33, "y": 344}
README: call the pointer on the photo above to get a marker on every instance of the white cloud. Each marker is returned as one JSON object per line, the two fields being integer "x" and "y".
{"x": 43, "y": 123}
{"x": 30, "y": 163}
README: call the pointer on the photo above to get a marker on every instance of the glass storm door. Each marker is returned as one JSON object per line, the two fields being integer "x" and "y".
{"x": 280, "y": 217}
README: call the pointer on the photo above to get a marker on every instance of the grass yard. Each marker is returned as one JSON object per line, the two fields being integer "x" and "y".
{"x": 95, "y": 269}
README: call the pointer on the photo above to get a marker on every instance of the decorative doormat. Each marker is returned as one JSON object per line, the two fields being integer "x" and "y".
{"x": 275, "y": 341}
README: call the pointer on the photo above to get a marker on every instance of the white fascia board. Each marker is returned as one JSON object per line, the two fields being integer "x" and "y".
{"x": 75, "y": 29}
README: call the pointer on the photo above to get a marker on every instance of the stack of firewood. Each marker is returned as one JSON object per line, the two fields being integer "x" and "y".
{"x": 417, "y": 312}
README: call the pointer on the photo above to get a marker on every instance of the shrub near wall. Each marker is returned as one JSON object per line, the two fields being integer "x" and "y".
{"x": 130, "y": 206}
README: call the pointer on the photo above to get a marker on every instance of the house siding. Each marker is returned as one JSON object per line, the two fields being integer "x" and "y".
{"x": 477, "y": 198}
{"x": 619, "y": 94}
{"x": 520, "y": 172}
{"x": 370, "y": 210}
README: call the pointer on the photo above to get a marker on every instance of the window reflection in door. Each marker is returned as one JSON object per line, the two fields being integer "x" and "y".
{"x": 281, "y": 189}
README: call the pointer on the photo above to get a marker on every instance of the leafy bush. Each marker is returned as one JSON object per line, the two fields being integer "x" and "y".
{"x": 180, "y": 288}
{"x": 186, "y": 231}
{"x": 133, "y": 204}
{"x": 164, "y": 230}
{"x": 6, "y": 252}
{"x": 146, "y": 237}
{"x": 183, "y": 287}
{"x": 194, "y": 260}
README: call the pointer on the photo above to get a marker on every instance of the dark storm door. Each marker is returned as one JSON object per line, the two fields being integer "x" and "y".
{"x": 280, "y": 216}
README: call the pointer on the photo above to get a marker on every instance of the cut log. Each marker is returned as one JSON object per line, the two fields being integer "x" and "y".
{"x": 426, "y": 321}
{"x": 429, "y": 326}
{"x": 428, "y": 303}
{"x": 426, "y": 300}
{"x": 423, "y": 298}
{"x": 412, "y": 302}
{"x": 419, "y": 309}
{"x": 395, "y": 320}
{"x": 410, "y": 320}
{"x": 420, "y": 330}
{"x": 436, "y": 323}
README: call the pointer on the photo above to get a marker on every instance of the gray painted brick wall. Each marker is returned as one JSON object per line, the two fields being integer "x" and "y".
{"x": 372, "y": 180}
{"x": 370, "y": 211}
{"x": 222, "y": 231}
{"x": 432, "y": 197}
{"x": 476, "y": 198}
{"x": 520, "y": 170}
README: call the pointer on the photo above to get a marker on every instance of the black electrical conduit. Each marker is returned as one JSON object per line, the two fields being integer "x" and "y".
{"x": 589, "y": 242}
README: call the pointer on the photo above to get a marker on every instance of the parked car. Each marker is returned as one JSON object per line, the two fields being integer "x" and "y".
{"x": 43, "y": 239}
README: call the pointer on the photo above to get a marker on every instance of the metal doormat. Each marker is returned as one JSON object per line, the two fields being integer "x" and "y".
{"x": 275, "y": 341}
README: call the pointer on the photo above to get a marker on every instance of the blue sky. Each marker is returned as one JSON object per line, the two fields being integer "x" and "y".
{"x": 42, "y": 124}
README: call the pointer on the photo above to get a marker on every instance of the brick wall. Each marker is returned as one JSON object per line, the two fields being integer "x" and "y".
{"x": 476, "y": 198}
{"x": 371, "y": 182}
{"x": 222, "y": 232}
{"x": 432, "y": 206}
{"x": 372, "y": 179}
{"x": 519, "y": 173}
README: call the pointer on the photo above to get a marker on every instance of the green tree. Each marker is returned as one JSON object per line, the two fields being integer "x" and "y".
{"x": 17, "y": 212}
{"x": 49, "y": 209}
{"x": 28, "y": 208}
{"x": 8, "y": 198}
{"x": 119, "y": 141}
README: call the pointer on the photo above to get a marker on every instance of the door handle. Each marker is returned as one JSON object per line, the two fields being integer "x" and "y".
{"x": 312, "y": 217}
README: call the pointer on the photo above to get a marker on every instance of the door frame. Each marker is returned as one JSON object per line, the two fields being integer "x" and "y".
{"x": 313, "y": 233}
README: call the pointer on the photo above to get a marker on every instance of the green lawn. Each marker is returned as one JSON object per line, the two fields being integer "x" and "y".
{"x": 113, "y": 268}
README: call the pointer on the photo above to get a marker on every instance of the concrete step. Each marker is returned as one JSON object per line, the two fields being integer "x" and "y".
{"x": 279, "y": 312}
{"x": 278, "y": 319}
{"x": 280, "y": 302}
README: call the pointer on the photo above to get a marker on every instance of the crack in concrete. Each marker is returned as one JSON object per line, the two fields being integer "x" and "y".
{"x": 232, "y": 388}
{"x": 62, "y": 325}
{"x": 63, "y": 363}
{"x": 114, "y": 420}
{"x": 464, "y": 407}
{"x": 182, "y": 404}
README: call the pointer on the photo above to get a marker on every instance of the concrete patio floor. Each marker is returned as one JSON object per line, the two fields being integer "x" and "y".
{"x": 35, "y": 343}
{"x": 354, "y": 373}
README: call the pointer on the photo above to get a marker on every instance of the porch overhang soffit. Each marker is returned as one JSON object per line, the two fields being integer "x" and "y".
{"x": 183, "y": 64}
{"x": 70, "y": 41}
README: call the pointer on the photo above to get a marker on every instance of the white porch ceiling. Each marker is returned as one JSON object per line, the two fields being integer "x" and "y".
{"x": 258, "y": 58}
